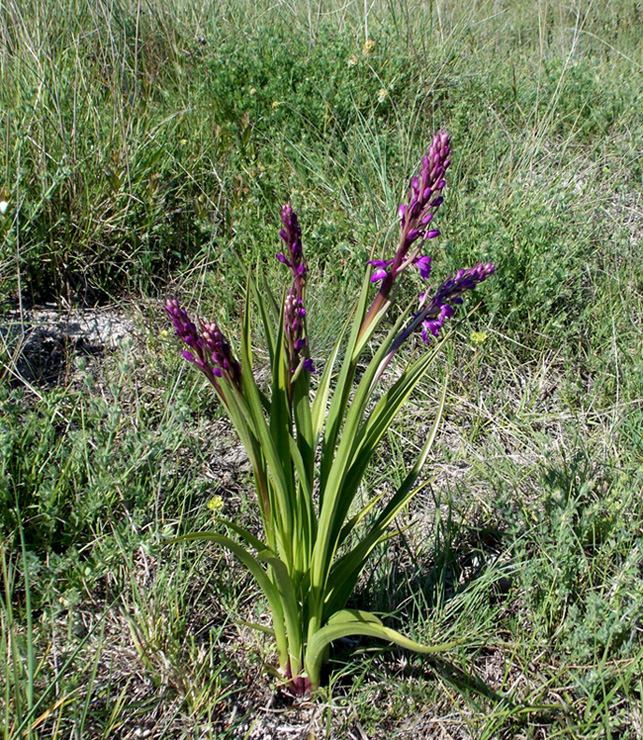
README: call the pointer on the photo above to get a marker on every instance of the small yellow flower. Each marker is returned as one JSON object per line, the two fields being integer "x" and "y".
{"x": 276, "y": 104}
{"x": 252, "y": 91}
{"x": 164, "y": 333}
{"x": 478, "y": 337}
{"x": 215, "y": 504}
{"x": 369, "y": 47}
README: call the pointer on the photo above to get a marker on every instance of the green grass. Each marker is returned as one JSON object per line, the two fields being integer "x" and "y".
{"x": 146, "y": 146}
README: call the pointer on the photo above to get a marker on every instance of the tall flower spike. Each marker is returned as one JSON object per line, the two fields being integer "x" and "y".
{"x": 434, "y": 311}
{"x": 187, "y": 331}
{"x": 215, "y": 342}
{"x": 294, "y": 311}
{"x": 291, "y": 235}
{"x": 424, "y": 199}
{"x": 425, "y": 193}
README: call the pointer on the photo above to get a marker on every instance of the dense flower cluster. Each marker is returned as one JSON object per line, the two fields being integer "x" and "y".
{"x": 424, "y": 199}
{"x": 291, "y": 235}
{"x": 209, "y": 350}
{"x": 433, "y": 312}
{"x": 294, "y": 311}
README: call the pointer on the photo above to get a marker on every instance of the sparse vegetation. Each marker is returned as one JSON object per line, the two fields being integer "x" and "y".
{"x": 146, "y": 147}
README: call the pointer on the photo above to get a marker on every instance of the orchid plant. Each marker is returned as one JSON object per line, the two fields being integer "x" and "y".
{"x": 310, "y": 443}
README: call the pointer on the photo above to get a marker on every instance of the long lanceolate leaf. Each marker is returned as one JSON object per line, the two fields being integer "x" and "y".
{"x": 304, "y": 425}
{"x": 244, "y": 425}
{"x": 293, "y": 502}
{"x": 294, "y": 455}
{"x": 246, "y": 536}
{"x": 280, "y": 487}
{"x": 292, "y": 614}
{"x": 345, "y": 572}
{"x": 342, "y": 392}
{"x": 349, "y": 622}
{"x": 335, "y": 497}
{"x": 267, "y": 313}
{"x": 374, "y": 428}
{"x": 258, "y": 572}
{"x": 318, "y": 413}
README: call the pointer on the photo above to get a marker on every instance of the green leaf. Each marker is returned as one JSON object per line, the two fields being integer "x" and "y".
{"x": 304, "y": 426}
{"x": 355, "y": 520}
{"x": 267, "y": 317}
{"x": 257, "y": 627}
{"x": 280, "y": 511}
{"x": 373, "y": 429}
{"x": 298, "y": 462}
{"x": 246, "y": 335}
{"x": 273, "y": 305}
{"x": 280, "y": 414}
{"x": 345, "y": 572}
{"x": 336, "y": 493}
{"x": 323, "y": 389}
{"x": 350, "y": 622}
{"x": 253, "y": 541}
{"x": 304, "y": 518}
{"x": 291, "y": 610}
{"x": 342, "y": 391}
{"x": 257, "y": 571}
{"x": 244, "y": 424}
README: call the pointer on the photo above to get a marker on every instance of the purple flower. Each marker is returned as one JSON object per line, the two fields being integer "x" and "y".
{"x": 424, "y": 196}
{"x": 434, "y": 325}
{"x": 181, "y": 322}
{"x": 291, "y": 235}
{"x": 211, "y": 351}
{"x": 434, "y": 313}
{"x": 424, "y": 266}
{"x": 294, "y": 311}
{"x": 424, "y": 199}
{"x": 435, "y": 310}
{"x": 380, "y": 272}
{"x": 220, "y": 353}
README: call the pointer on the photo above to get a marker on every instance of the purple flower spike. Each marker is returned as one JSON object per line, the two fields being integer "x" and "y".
{"x": 424, "y": 198}
{"x": 424, "y": 186}
{"x": 221, "y": 353}
{"x": 185, "y": 329}
{"x": 294, "y": 311}
{"x": 291, "y": 235}
{"x": 211, "y": 351}
{"x": 440, "y": 307}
